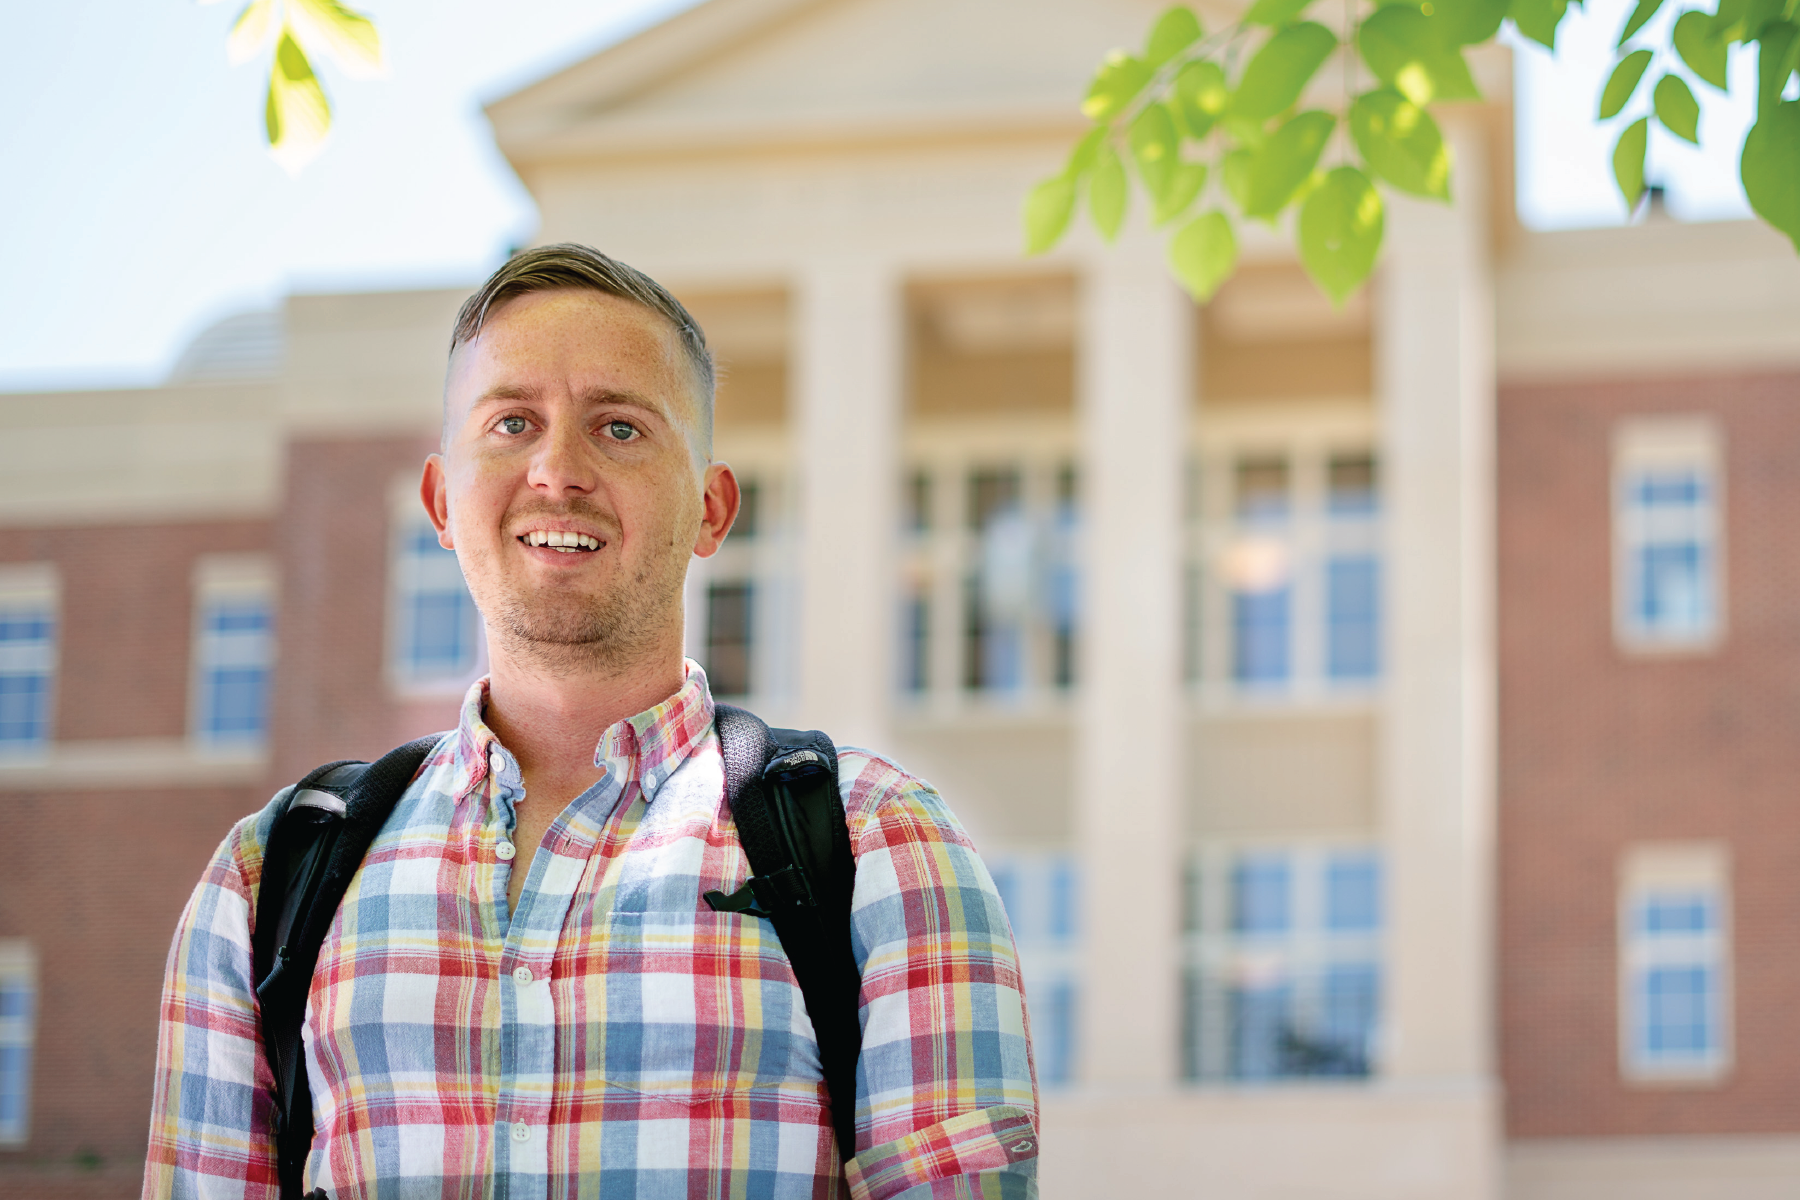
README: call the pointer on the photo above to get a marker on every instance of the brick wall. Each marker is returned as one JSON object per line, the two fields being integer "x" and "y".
{"x": 1598, "y": 749}
{"x": 127, "y": 618}
{"x": 332, "y": 697}
{"x": 96, "y": 879}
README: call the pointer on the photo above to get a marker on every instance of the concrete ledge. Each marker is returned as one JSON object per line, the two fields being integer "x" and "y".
{"x": 130, "y": 763}
{"x": 1738, "y": 1167}
{"x": 1377, "y": 1142}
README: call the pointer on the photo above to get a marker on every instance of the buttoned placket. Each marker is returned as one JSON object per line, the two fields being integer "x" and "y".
{"x": 527, "y": 1002}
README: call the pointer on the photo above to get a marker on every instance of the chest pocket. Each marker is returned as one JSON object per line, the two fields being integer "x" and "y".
{"x": 688, "y": 1006}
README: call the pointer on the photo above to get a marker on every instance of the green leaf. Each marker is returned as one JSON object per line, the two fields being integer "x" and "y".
{"x": 1776, "y": 56}
{"x": 1403, "y": 49}
{"x": 1279, "y": 72}
{"x": 1274, "y": 12}
{"x": 1116, "y": 84}
{"x": 1081, "y": 159}
{"x": 346, "y": 37}
{"x": 1401, "y": 143}
{"x": 1048, "y": 208}
{"x": 1283, "y": 164}
{"x": 1174, "y": 31}
{"x": 1155, "y": 147}
{"x": 1201, "y": 96}
{"x": 251, "y": 31}
{"x": 1468, "y": 22}
{"x": 1235, "y": 172}
{"x": 1623, "y": 83}
{"x": 1108, "y": 192}
{"x": 1743, "y": 20}
{"x": 1628, "y": 161}
{"x": 1703, "y": 53}
{"x": 1246, "y": 132}
{"x": 1340, "y": 232}
{"x": 1538, "y": 19}
{"x": 1185, "y": 183}
{"x": 1770, "y": 167}
{"x": 296, "y": 115}
{"x": 1204, "y": 253}
{"x": 1640, "y": 16}
{"x": 1677, "y": 109}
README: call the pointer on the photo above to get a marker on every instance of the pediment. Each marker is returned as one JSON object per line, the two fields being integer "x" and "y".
{"x": 732, "y": 73}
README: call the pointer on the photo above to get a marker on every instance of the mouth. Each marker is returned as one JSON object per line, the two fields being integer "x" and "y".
{"x": 563, "y": 541}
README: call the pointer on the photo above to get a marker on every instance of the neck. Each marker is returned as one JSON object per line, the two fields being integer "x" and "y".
{"x": 551, "y": 715}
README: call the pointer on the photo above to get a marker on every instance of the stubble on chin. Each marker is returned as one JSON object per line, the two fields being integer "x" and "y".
{"x": 567, "y": 630}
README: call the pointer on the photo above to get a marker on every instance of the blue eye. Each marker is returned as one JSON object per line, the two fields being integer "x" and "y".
{"x": 513, "y": 425}
{"x": 621, "y": 430}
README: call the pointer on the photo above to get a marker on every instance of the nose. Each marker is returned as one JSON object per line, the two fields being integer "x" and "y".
{"x": 564, "y": 464}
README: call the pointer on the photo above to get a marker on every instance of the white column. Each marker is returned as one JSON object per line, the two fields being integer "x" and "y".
{"x": 1131, "y": 430}
{"x": 1435, "y": 376}
{"x": 847, "y": 374}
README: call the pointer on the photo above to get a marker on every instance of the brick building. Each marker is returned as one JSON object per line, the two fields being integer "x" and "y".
{"x": 1379, "y": 746}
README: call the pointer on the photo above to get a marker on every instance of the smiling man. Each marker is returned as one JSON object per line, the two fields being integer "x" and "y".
{"x": 524, "y": 992}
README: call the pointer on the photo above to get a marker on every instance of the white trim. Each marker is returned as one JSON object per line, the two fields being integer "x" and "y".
{"x": 1694, "y": 442}
{"x": 1645, "y": 869}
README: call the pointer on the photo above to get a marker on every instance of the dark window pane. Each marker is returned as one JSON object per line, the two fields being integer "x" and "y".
{"x": 1351, "y": 485}
{"x": 729, "y": 634}
{"x": 1262, "y": 488}
{"x": 749, "y": 518}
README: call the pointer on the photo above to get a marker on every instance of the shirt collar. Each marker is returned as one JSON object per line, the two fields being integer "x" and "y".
{"x": 647, "y": 747}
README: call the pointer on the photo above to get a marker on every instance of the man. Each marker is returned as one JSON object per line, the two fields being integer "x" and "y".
{"x": 524, "y": 993}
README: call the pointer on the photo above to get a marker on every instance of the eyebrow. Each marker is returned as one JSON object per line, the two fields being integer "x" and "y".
{"x": 510, "y": 393}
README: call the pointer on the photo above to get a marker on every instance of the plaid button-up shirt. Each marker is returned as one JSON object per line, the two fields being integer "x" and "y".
{"x": 614, "y": 1036}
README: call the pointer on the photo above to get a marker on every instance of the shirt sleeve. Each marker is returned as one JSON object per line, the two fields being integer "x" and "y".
{"x": 212, "y": 1113}
{"x": 946, "y": 1092}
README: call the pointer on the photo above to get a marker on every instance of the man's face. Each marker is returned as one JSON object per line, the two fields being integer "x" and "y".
{"x": 569, "y": 485}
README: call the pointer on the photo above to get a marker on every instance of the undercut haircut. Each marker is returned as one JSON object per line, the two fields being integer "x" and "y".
{"x": 570, "y": 265}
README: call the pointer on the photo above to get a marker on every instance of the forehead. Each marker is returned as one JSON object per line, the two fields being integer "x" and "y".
{"x": 570, "y": 339}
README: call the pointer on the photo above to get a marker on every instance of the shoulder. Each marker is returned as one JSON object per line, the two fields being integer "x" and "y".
{"x": 884, "y": 803}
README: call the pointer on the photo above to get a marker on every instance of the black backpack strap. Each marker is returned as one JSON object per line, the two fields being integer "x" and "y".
{"x": 782, "y": 788}
{"x": 320, "y": 835}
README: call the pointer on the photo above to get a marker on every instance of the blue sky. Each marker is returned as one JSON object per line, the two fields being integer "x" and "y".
{"x": 140, "y": 204}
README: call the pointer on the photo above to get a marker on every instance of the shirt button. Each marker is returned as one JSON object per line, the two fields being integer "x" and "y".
{"x": 521, "y": 974}
{"x": 504, "y": 851}
{"x": 497, "y": 761}
{"x": 521, "y": 1132}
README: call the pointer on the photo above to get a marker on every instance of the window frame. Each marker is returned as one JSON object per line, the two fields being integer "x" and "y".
{"x": 1674, "y": 869}
{"x": 26, "y": 587}
{"x": 217, "y": 577}
{"x": 1229, "y": 970}
{"x": 18, "y": 961}
{"x": 1639, "y": 444}
{"x": 407, "y": 518}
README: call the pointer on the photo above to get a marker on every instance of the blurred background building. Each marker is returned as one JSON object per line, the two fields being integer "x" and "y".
{"x": 1378, "y": 720}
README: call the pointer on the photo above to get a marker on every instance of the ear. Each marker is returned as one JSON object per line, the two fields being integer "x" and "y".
{"x": 434, "y": 493}
{"x": 719, "y": 500}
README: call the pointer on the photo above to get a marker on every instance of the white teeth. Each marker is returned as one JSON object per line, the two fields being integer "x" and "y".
{"x": 559, "y": 539}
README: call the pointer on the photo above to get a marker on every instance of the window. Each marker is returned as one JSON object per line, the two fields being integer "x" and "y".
{"x": 1041, "y": 894}
{"x": 1283, "y": 584}
{"x": 234, "y": 650}
{"x": 1674, "y": 963}
{"x": 1283, "y": 963}
{"x": 436, "y": 629}
{"x": 729, "y": 634}
{"x": 1262, "y": 591}
{"x": 28, "y": 604}
{"x": 18, "y": 1016}
{"x": 990, "y": 597}
{"x": 1666, "y": 534}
